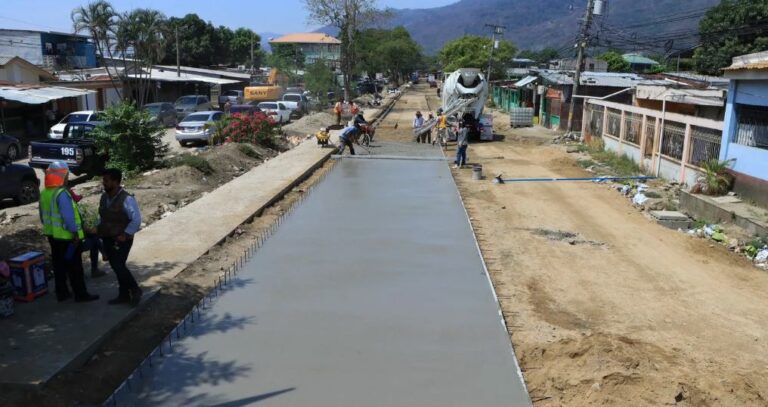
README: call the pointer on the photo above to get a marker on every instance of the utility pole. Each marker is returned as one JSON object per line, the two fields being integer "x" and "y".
{"x": 251, "y": 53}
{"x": 178, "y": 54}
{"x": 582, "y": 44}
{"x": 497, "y": 30}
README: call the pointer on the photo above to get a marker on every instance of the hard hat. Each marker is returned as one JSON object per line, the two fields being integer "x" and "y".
{"x": 56, "y": 174}
{"x": 323, "y": 129}
{"x": 58, "y": 165}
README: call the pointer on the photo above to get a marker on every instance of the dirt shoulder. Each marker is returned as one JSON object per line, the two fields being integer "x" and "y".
{"x": 604, "y": 306}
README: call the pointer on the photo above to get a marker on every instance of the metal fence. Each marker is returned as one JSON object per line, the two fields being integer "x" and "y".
{"x": 684, "y": 140}
{"x": 752, "y": 126}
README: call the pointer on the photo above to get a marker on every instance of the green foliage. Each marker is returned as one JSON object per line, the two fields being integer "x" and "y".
{"x": 202, "y": 44}
{"x": 242, "y": 128}
{"x": 240, "y": 47}
{"x": 734, "y": 27}
{"x": 716, "y": 179}
{"x": 616, "y": 62}
{"x": 622, "y": 166}
{"x": 248, "y": 151}
{"x": 193, "y": 161}
{"x": 290, "y": 55}
{"x": 542, "y": 56}
{"x": 585, "y": 163}
{"x": 393, "y": 52}
{"x": 131, "y": 139}
{"x": 318, "y": 79}
{"x": 471, "y": 51}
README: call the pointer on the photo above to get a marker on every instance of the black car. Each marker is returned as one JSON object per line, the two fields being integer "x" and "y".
{"x": 76, "y": 148}
{"x": 18, "y": 182}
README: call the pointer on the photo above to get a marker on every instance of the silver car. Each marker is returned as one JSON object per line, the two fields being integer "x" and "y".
{"x": 197, "y": 127}
{"x": 10, "y": 147}
{"x": 190, "y": 104}
{"x": 163, "y": 113}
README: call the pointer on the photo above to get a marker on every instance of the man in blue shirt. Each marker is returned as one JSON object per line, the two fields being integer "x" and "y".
{"x": 346, "y": 138}
{"x": 120, "y": 219}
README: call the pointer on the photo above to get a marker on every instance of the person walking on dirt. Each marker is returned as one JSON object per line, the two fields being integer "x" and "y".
{"x": 63, "y": 227}
{"x": 462, "y": 142}
{"x": 347, "y": 138}
{"x": 338, "y": 108}
{"x": 418, "y": 123}
{"x": 120, "y": 220}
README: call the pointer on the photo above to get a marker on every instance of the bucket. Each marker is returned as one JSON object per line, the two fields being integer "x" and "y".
{"x": 6, "y": 300}
{"x": 477, "y": 172}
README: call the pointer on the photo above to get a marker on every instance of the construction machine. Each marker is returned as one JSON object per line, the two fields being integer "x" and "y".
{"x": 465, "y": 92}
{"x": 269, "y": 91}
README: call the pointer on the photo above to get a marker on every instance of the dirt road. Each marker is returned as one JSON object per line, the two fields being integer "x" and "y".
{"x": 604, "y": 306}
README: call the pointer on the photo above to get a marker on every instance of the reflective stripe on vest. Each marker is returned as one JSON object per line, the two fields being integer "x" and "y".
{"x": 53, "y": 222}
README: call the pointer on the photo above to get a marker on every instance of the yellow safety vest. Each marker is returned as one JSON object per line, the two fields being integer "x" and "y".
{"x": 441, "y": 122}
{"x": 53, "y": 222}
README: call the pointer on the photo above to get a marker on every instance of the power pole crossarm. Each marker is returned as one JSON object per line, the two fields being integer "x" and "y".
{"x": 583, "y": 41}
{"x": 497, "y": 30}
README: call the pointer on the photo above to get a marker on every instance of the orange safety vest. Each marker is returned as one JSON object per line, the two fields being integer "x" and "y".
{"x": 337, "y": 108}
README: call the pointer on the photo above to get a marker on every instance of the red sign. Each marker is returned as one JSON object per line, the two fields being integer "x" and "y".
{"x": 554, "y": 94}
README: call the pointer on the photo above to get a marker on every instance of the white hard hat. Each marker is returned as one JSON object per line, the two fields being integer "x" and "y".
{"x": 58, "y": 165}
{"x": 323, "y": 129}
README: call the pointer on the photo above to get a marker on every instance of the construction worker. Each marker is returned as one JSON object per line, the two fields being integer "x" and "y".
{"x": 347, "y": 137}
{"x": 442, "y": 128}
{"x": 120, "y": 219}
{"x": 418, "y": 122}
{"x": 462, "y": 143}
{"x": 338, "y": 109}
{"x": 63, "y": 227}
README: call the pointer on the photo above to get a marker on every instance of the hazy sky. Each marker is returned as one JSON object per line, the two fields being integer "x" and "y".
{"x": 278, "y": 16}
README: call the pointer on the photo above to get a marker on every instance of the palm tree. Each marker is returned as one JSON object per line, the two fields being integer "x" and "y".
{"x": 97, "y": 18}
{"x": 142, "y": 33}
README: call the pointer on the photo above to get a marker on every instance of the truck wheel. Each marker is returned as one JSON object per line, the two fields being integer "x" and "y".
{"x": 28, "y": 192}
{"x": 13, "y": 152}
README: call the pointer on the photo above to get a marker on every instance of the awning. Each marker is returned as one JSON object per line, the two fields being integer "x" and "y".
{"x": 163, "y": 75}
{"x": 699, "y": 97}
{"x": 39, "y": 94}
{"x": 525, "y": 81}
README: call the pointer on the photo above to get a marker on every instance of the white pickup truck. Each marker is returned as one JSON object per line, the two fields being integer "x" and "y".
{"x": 297, "y": 102}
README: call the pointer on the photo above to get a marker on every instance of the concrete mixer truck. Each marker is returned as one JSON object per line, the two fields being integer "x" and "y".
{"x": 464, "y": 93}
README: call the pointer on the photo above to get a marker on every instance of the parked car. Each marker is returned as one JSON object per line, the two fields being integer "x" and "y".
{"x": 163, "y": 113}
{"x": 294, "y": 90}
{"x": 190, "y": 104}
{"x": 75, "y": 148}
{"x": 10, "y": 147}
{"x": 234, "y": 97}
{"x": 83, "y": 116}
{"x": 18, "y": 182}
{"x": 244, "y": 109}
{"x": 197, "y": 127}
{"x": 297, "y": 102}
{"x": 278, "y": 110}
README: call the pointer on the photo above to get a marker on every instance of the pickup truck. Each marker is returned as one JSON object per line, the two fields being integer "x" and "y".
{"x": 297, "y": 103}
{"x": 74, "y": 148}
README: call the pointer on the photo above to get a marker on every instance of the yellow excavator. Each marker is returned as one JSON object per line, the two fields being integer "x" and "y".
{"x": 269, "y": 91}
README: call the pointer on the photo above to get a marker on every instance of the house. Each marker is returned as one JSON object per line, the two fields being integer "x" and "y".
{"x": 590, "y": 64}
{"x": 556, "y": 100}
{"x": 18, "y": 70}
{"x": 314, "y": 46}
{"x": 639, "y": 63}
{"x": 50, "y": 50}
{"x": 520, "y": 67}
{"x": 745, "y": 132}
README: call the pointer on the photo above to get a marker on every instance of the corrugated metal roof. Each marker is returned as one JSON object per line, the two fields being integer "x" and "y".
{"x": 639, "y": 59}
{"x": 37, "y": 95}
{"x": 700, "y": 97}
{"x": 758, "y": 60}
{"x": 306, "y": 38}
{"x": 209, "y": 72}
{"x": 5, "y": 59}
{"x": 170, "y": 76}
{"x": 602, "y": 79}
{"x": 525, "y": 81}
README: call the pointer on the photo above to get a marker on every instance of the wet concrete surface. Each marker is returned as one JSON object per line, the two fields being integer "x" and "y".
{"x": 372, "y": 293}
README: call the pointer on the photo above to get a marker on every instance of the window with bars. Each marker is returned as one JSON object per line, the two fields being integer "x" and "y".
{"x": 751, "y": 126}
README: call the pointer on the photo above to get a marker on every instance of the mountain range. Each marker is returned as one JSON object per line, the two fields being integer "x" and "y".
{"x": 534, "y": 24}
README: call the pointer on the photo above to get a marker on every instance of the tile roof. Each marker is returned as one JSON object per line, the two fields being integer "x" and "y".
{"x": 306, "y": 38}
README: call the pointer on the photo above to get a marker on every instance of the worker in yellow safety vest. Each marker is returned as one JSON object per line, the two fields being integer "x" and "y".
{"x": 63, "y": 227}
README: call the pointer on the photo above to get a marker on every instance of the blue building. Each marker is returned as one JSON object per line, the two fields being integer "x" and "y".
{"x": 49, "y": 50}
{"x": 745, "y": 131}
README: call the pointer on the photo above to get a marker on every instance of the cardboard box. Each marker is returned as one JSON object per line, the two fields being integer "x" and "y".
{"x": 28, "y": 276}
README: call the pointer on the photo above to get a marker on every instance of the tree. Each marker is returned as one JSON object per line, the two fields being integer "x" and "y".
{"x": 196, "y": 41}
{"x": 471, "y": 51}
{"x": 734, "y": 27}
{"x": 542, "y": 56}
{"x": 616, "y": 61}
{"x": 389, "y": 51}
{"x": 291, "y": 55}
{"x": 97, "y": 18}
{"x": 348, "y": 16}
{"x": 142, "y": 35}
{"x": 319, "y": 79}
{"x": 240, "y": 47}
